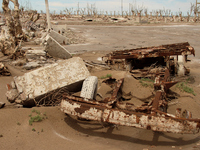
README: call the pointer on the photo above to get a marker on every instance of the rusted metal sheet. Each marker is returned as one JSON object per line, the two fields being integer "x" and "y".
{"x": 155, "y": 104}
{"x": 147, "y": 52}
{"x": 159, "y": 122}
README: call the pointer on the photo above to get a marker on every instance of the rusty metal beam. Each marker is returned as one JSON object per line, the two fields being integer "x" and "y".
{"x": 127, "y": 114}
{"x": 159, "y": 122}
{"x": 147, "y": 52}
{"x": 155, "y": 104}
{"x": 114, "y": 97}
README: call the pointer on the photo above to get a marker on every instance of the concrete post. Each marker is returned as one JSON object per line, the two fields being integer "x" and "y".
{"x": 47, "y": 14}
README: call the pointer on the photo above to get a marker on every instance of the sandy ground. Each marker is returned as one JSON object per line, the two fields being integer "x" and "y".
{"x": 60, "y": 131}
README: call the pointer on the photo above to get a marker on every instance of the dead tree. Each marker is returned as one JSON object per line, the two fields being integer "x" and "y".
{"x": 13, "y": 34}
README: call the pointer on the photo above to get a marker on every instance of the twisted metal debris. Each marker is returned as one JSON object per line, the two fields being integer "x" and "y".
{"x": 150, "y": 116}
{"x": 173, "y": 56}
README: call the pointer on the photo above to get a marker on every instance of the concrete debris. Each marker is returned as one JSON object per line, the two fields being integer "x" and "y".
{"x": 4, "y": 70}
{"x": 32, "y": 65}
{"x": 95, "y": 65}
{"x": 58, "y": 37}
{"x": 12, "y": 95}
{"x": 89, "y": 88}
{"x": 34, "y": 85}
{"x": 54, "y": 49}
{"x": 35, "y": 55}
{"x": 19, "y": 62}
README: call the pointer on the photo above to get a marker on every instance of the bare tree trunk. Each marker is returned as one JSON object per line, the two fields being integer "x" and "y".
{"x": 36, "y": 18}
{"x": 47, "y": 14}
{"x": 18, "y": 26}
{"x": 9, "y": 20}
{"x": 14, "y": 29}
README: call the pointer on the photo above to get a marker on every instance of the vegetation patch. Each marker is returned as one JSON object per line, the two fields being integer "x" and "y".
{"x": 182, "y": 86}
{"x": 36, "y": 116}
{"x": 146, "y": 82}
{"x": 107, "y": 76}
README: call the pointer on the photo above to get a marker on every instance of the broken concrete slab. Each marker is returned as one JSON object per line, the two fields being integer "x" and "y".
{"x": 58, "y": 37}
{"x": 32, "y": 65}
{"x": 55, "y": 49}
{"x": 33, "y": 85}
{"x": 19, "y": 62}
{"x": 35, "y": 55}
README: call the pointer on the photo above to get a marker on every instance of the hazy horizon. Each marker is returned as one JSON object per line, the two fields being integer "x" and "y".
{"x": 109, "y": 5}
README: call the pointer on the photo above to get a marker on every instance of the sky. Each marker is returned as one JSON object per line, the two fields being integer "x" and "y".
{"x": 110, "y": 5}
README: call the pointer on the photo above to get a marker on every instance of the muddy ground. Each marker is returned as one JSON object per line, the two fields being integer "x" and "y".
{"x": 60, "y": 131}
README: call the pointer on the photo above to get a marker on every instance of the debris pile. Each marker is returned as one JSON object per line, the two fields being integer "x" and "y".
{"x": 151, "y": 116}
{"x": 54, "y": 84}
{"x": 173, "y": 56}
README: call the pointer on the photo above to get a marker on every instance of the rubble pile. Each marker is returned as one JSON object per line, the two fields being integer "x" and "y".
{"x": 72, "y": 37}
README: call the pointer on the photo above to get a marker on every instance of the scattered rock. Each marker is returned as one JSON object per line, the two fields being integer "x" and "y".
{"x": 11, "y": 95}
{"x": 4, "y": 70}
{"x": 2, "y": 105}
{"x": 17, "y": 101}
{"x": 18, "y": 106}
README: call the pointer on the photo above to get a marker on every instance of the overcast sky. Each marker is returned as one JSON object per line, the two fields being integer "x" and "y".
{"x": 110, "y": 5}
